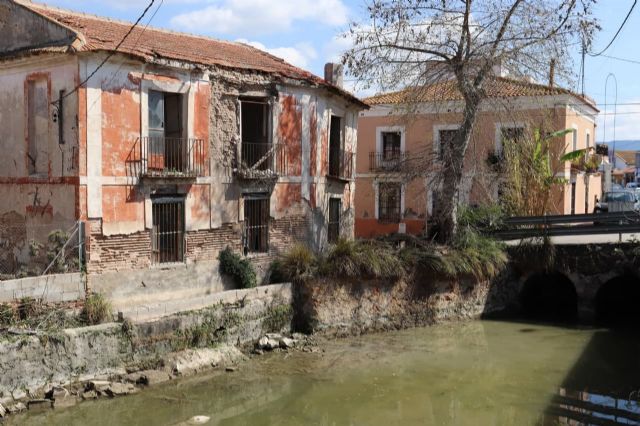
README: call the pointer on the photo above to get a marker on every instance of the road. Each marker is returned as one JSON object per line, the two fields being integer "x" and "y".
{"x": 590, "y": 239}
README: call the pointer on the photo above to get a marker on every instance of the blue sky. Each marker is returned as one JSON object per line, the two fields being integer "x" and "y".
{"x": 305, "y": 33}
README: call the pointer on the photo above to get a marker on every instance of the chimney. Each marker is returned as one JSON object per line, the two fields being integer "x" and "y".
{"x": 552, "y": 72}
{"x": 333, "y": 74}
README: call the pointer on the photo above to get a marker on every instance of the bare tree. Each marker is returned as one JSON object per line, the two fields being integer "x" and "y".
{"x": 408, "y": 44}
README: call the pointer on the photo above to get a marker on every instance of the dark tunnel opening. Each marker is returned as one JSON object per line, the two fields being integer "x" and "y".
{"x": 549, "y": 297}
{"x": 616, "y": 302}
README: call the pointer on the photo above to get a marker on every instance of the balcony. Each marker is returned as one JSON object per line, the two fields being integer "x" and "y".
{"x": 172, "y": 158}
{"x": 341, "y": 165}
{"x": 261, "y": 160}
{"x": 389, "y": 161}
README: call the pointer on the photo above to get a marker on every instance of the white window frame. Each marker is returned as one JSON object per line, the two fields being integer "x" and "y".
{"x": 498, "y": 135}
{"x": 376, "y": 188}
{"x": 436, "y": 136}
{"x": 574, "y": 137}
{"x": 389, "y": 129}
{"x": 188, "y": 101}
{"x": 588, "y": 138}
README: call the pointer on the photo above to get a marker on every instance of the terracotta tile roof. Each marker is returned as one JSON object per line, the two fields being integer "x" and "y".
{"x": 629, "y": 157}
{"x": 496, "y": 87}
{"x": 103, "y": 34}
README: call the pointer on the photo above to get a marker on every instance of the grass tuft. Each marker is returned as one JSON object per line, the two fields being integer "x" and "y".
{"x": 96, "y": 310}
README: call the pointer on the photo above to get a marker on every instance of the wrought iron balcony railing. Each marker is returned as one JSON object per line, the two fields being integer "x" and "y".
{"x": 341, "y": 165}
{"x": 389, "y": 161}
{"x": 261, "y": 160}
{"x": 173, "y": 157}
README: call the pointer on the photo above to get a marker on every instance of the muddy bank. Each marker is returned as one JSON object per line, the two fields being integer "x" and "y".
{"x": 32, "y": 365}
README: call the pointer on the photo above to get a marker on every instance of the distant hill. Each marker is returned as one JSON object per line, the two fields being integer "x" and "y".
{"x": 628, "y": 145}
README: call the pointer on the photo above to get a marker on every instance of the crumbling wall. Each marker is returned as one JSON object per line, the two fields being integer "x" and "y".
{"x": 31, "y": 363}
{"x": 36, "y": 203}
{"x": 21, "y": 28}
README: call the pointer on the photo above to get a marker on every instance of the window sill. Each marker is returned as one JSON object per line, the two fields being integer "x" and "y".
{"x": 167, "y": 265}
{"x": 344, "y": 180}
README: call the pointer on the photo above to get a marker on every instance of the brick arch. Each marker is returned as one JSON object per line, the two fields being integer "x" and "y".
{"x": 616, "y": 301}
{"x": 549, "y": 296}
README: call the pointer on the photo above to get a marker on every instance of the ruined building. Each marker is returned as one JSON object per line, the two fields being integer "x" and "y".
{"x": 171, "y": 147}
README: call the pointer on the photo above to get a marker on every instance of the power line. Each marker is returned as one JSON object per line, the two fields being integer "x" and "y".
{"x": 135, "y": 45}
{"x": 617, "y": 32}
{"x": 631, "y": 61}
{"x": 113, "y": 52}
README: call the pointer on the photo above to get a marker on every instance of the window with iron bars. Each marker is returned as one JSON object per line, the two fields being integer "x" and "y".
{"x": 389, "y": 199}
{"x": 167, "y": 233}
{"x": 256, "y": 224}
{"x": 335, "y": 209}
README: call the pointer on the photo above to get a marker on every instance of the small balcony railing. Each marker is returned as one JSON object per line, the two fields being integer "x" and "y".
{"x": 173, "y": 157}
{"x": 341, "y": 165}
{"x": 389, "y": 161}
{"x": 261, "y": 160}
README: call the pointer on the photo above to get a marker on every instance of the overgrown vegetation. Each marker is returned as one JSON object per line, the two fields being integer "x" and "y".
{"x": 534, "y": 255}
{"x": 531, "y": 167}
{"x": 96, "y": 310}
{"x": 240, "y": 269}
{"x": 32, "y": 315}
{"x": 362, "y": 259}
{"x": 404, "y": 256}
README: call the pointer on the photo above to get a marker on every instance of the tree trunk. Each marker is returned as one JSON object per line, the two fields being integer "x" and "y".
{"x": 453, "y": 152}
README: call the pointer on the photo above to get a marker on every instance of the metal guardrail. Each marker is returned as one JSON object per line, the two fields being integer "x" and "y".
{"x": 391, "y": 161}
{"x": 172, "y": 157}
{"x": 563, "y": 225}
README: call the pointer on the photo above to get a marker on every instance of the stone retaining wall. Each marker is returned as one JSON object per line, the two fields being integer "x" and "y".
{"x": 29, "y": 363}
{"x": 350, "y": 307}
{"x": 50, "y": 288}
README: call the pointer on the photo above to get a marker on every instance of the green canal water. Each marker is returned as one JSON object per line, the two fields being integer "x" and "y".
{"x": 478, "y": 373}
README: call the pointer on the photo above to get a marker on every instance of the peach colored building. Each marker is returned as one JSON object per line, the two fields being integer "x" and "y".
{"x": 170, "y": 148}
{"x": 403, "y": 126}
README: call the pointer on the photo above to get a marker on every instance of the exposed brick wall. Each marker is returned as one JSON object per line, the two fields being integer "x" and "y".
{"x": 205, "y": 245}
{"x": 287, "y": 231}
{"x": 117, "y": 252}
{"x": 133, "y": 251}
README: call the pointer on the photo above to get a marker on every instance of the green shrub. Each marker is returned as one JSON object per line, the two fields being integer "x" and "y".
{"x": 276, "y": 273}
{"x": 96, "y": 310}
{"x": 241, "y": 270}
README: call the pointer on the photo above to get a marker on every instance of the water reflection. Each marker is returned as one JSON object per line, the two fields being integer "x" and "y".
{"x": 603, "y": 387}
{"x": 478, "y": 373}
{"x": 578, "y": 408}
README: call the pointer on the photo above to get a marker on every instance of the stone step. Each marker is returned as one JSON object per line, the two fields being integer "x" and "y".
{"x": 156, "y": 310}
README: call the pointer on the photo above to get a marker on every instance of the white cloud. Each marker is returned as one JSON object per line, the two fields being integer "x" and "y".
{"x": 626, "y": 122}
{"x": 260, "y": 16}
{"x": 299, "y": 55}
{"x": 335, "y": 47}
